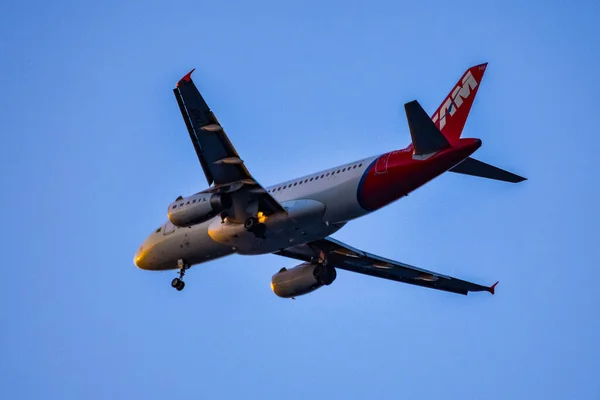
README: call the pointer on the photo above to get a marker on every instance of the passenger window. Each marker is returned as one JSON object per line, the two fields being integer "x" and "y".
{"x": 194, "y": 201}
{"x": 322, "y": 176}
{"x": 360, "y": 165}
{"x": 338, "y": 171}
{"x": 306, "y": 180}
{"x": 295, "y": 183}
{"x": 311, "y": 179}
{"x": 174, "y": 206}
{"x": 327, "y": 174}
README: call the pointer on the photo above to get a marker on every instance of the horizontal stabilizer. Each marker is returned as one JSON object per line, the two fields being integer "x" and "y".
{"x": 475, "y": 167}
{"x": 426, "y": 137}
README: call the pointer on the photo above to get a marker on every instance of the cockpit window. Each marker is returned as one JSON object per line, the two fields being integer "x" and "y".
{"x": 168, "y": 228}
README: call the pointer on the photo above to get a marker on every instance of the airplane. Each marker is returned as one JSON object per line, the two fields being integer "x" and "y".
{"x": 296, "y": 218}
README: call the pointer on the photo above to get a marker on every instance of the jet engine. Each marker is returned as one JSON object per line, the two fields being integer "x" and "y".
{"x": 302, "y": 279}
{"x": 198, "y": 208}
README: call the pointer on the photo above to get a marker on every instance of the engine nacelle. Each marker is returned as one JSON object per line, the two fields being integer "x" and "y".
{"x": 198, "y": 208}
{"x": 301, "y": 279}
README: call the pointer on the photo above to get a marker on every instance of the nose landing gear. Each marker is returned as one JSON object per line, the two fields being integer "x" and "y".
{"x": 178, "y": 283}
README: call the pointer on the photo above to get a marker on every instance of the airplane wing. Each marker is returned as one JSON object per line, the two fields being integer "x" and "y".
{"x": 220, "y": 161}
{"x": 342, "y": 256}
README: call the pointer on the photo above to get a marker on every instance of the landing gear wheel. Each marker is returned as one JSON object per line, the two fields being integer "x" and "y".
{"x": 178, "y": 283}
{"x": 251, "y": 223}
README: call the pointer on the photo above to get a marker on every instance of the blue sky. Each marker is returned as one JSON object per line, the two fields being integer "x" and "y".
{"x": 93, "y": 150}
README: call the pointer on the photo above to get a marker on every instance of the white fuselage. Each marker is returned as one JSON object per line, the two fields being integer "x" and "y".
{"x": 317, "y": 205}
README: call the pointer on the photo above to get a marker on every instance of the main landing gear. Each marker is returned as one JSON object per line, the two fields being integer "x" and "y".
{"x": 253, "y": 225}
{"x": 178, "y": 283}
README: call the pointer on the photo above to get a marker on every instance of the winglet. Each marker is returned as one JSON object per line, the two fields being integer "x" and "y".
{"x": 187, "y": 77}
{"x": 492, "y": 288}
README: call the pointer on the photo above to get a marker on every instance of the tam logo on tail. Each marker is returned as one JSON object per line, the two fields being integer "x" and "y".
{"x": 453, "y": 103}
{"x": 452, "y": 114}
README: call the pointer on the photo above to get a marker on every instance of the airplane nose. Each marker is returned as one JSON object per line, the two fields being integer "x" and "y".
{"x": 140, "y": 259}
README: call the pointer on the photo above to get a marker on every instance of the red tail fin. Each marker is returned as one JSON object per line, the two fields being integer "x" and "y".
{"x": 451, "y": 116}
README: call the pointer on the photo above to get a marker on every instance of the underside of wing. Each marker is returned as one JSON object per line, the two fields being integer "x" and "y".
{"x": 221, "y": 163}
{"x": 348, "y": 258}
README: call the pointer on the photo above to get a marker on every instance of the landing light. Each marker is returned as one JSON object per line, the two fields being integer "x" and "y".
{"x": 261, "y": 217}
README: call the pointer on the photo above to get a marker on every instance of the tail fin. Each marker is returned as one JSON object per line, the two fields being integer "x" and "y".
{"x": 451, "y": 115}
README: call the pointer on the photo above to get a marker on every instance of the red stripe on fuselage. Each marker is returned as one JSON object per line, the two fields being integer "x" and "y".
{"x": 394, "y": 175}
